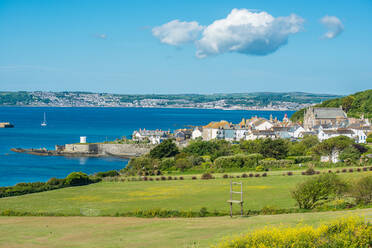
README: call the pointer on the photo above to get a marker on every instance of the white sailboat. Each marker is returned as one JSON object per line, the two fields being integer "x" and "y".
{"x": 44, "y": 123}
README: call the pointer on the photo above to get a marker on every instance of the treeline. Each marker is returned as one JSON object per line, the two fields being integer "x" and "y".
{"x": 259, "y": 155}
{"x": 14, "y": 98}
{"x": 354, "y": 105}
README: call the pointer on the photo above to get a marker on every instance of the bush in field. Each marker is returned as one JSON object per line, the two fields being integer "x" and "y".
{"x": 77, "y": 178}
{"x": 309, "y": 193}
{"x": 300, "y": 159}
{"x": 164, "y": 150}
{"x": 140, "y": 165}
{"x": 167, "y": 163}
{"x": 56, "y": 181}
{"x": 342, "y": 233}
{"x": 183, "y": 164}
{"x": 273, "y": 163}
{"x": 238, "y": 161}
{"x": 310, "y": 171}
{"x": 207, "y": 176}
{"x": 111, "y": 173}
{"x": 362, "y": 190}
{"x": 350, "y": 153}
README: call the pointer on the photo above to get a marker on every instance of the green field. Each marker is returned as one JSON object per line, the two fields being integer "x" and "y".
{"x": 109, "y": 198}
{"x": 90, "y": 232}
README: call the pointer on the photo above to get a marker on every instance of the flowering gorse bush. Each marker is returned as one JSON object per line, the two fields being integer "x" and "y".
{"x": 347, "y": 232}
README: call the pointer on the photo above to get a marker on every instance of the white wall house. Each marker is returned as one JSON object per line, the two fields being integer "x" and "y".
{"x": 261, "y": 124}
{"x": 324, "y": 134}
{"x": 360, "y": 136}
{"x": 154, "y": 136}
{"x": 297, "y": 131}
{"x": 241, "y": 133}
{"x": 196, "y": 133}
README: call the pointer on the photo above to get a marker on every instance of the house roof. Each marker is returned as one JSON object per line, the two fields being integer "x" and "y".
{"x": 263, "y": 132}
{"x": 217, "y": 124}
{"x": 329, "y": 113}
{"x": 339, "y": 131}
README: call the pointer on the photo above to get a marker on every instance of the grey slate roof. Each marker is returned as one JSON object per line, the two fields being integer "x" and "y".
{"x": 329, "y": 113}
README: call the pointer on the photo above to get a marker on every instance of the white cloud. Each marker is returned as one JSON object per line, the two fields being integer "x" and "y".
{"x": 242, "y": 31}
{"x": 176, "y": 33}
{"x": 101, "y": 36}
{"x": 247, "y": 32}
{"x": 334, "y": 26}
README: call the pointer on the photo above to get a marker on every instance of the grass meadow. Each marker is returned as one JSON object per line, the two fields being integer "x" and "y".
{"x": 84, "y": 232}
{"x": 109, "y": 198}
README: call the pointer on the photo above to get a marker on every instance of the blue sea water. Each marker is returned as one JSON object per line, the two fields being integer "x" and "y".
{"x": 66, "y": 125}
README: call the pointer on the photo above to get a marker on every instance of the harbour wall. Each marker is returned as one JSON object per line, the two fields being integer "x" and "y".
{"x": 124, "y": 150}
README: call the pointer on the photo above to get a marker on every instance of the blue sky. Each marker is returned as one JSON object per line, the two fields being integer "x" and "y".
{"x": 111, "y": 46}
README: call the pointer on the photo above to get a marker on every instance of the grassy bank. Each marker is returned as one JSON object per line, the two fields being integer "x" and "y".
{"x": 110, "y": 198}
{"x": 138, "y": 232}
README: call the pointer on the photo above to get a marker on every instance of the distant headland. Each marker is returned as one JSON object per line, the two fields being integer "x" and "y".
{"x": 233, "y": 101}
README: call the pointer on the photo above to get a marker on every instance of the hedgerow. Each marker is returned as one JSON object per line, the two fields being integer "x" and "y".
{"x": 73, "y": 179}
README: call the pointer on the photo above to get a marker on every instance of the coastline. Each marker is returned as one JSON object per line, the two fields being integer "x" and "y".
{"x": 150, "y": 107}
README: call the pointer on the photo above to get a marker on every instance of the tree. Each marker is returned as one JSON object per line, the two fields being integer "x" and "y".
{"x": 201, "y": 148}
{"x": 164, "y": 150}
{"x": 347, "y": 102}
{"x": 277, "y": 148}
{"x": 309, "y": 193}
{"x": 328, "y": 146}
{"x": 350, "y": 153}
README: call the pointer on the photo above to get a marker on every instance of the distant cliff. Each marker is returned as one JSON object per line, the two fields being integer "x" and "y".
{"x": 354, "y": 105}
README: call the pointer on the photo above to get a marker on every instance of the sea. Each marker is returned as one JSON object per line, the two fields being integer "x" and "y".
{"x": 66, "y": 125}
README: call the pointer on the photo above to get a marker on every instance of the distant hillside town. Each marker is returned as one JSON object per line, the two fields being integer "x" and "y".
{"x": 325, "y": 123}
{"x": 238, "y": 101}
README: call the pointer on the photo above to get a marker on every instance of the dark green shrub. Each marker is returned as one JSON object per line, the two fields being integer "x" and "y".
{"x": 77, "y": 178}
{"x": 165, "y": 149}
{"x": 206, "y": 176}
{"x": 183, "y": 164}
{"x": 238, "y": 161}
{"x": 111, "y": 173}
{"x": 203, "y": 212}
{"x": 362, "y": 190}
{"x": 310, "y": 172}
{"x": 56, "y": 181}
{"x": 273, "y": 163}
{"x": 300, "y": 159}
{"x": 316, "y": 189}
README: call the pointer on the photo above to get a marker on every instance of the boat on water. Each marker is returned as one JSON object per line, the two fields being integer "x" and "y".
{"x": 6, "y": 125}
{"x": 44, "y": 123}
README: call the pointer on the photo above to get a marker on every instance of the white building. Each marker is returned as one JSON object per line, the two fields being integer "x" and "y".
{"x": 324, "y": 134}
{"x": 196, "y": 133}
{"x": 153, "y": 136}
